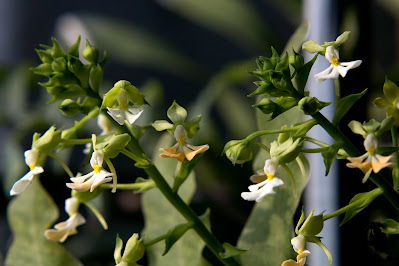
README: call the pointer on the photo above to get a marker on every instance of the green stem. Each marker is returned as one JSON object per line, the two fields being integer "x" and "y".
{"x": 61, "y": 162}
{"x": 317, "y": 142}
{"x": 75, "y": 141}
{"x": 130, "y": 186}
{"x": 346, "y": 208}
{"x": 315, "y": 150}
{"x": 395, "y": 173}
{"x": 263, "y": 146}
{"x": 347, "y": 145}
{"x": 211, "y": 241}
{"x": 115, "y": 177}
{"x": 337, "y": 91}
{"x": 99, "y": 216}
{"x": 155, "y": 240}
{"x": 266, "y": 132}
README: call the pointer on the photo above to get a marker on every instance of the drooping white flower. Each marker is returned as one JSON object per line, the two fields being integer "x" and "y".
{"x": 371, "y": 159}
{"x": 93, "y": 179}
{"x": 182, "y": 150}
{"x": 124, "y": 111}
{"x": 266, "y": 181}
{"x": 31, "y": 158}
{"x": 336, "y": 68}
{"x": 64, "y": 229}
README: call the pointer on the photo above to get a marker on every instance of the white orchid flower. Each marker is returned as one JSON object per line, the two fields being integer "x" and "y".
{"x": 64, "y": 229}
{"x": 124, "y": 111}
{"x": 336, "y": 68}
{"x": 266, "y": 181}
{"x": 93, "y": 179}
{"x": 31, "y": 158}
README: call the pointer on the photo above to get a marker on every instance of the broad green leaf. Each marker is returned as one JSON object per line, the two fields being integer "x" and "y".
{"x": 359, "y": 202}
{"x": 133, "y": 45}
{"x": 345, "y": 104}
{"x": 29, "y": 215}
{"x": 174, "y": 235}
{"x": 269, "y": 228}
{"x": 237, "y": 19}
{"x": 160, "y": 216}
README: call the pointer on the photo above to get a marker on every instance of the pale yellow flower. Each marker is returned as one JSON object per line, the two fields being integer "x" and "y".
{"x": 370, "y": 160}
{"x": 300, "y": 259}
{"x": 182, "y": 150}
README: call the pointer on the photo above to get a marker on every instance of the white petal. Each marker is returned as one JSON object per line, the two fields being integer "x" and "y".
{"x": 180, "y": 132}
{"x": 258, "y": 186}
{"x": 271, "y": 166}
{"x": 325, "y": 74}
{"x": 81, "y": 179}
{"x": 100, "y": 178}
{"x": 331, "y": 53}
{"x": 298, "y": 243}
{"x": 259, "y": 194}
{"x": 97, "y": 158}
{"x": 31, "y": 156}
{"x": 71, "y": 205}
{"x": 343, "y": 68}
{"x": 104, "y": 124}
{"x": 81, "y": 187}
{"x": 24, "y": 181}
{"x": 370, "y": 142}
{"x": 117, "y": 115}
{"x": 133, "y": 113}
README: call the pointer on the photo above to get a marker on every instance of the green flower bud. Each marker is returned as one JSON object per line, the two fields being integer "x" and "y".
{"x": 296, "y": 60}
{"x": 313, "y": 225}
{"x": 59, "y": 64}
{"x": 74, "y": 64}
{"x": 113, "y": 145}
{"x": 69, "y": 107}
{"x": 266, "y": 106}
{"x": 134, "y": 249}
{"x": 48, "y": 141}
{"x": 282, "y": 137}
{"x": 90, "y": 53}
{"x": 287, "y": 151}
{"x": 238, "y": 151}
{"x": 311, "y": 105}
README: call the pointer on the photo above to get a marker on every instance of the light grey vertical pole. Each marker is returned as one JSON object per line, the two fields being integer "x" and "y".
{"x": 322, "y": 193}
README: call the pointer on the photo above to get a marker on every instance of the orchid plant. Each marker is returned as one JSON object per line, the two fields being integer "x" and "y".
{"x": 280, "y": 88}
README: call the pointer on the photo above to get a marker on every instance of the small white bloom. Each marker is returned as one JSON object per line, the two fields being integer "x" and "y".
{"x": 336, "y": 68}
{"x": 124, "y": 111}
{"x": 266, "y": 180}
{"x": 64, "y": 229}
{"x": 93, "y": 179}
{"x": 298, "y": 243}
{"x": 31, "y": 157}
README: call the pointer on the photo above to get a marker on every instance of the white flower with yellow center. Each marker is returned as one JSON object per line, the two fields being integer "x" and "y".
{"x": 298, "y": 244}
{"x": 266, "y": 181}
{"x": 336, "y": 68}
{"x": 64, "y": 229}
{"x": 370, "y": 160}
{"x": 124, "y": 111}
{"x": 93, "y": 179}
{"x": 31, "y": 158}
{"x": 182, "y": 150}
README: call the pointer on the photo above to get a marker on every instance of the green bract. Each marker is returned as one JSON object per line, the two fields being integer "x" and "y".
{"x": 113, "y": 144}
{"x": 134, "y": 250}
{"x": 177, "y": 114}
{"x": 135, "y": 96}
{"x": 48, "y": 141}
{"x": 287, "y": 151}
{"x": 391, "y": 92}
{"x": 238, "y": 151}
{"x": 372, "y": 127}
{"x": 313, "y": 47}
{"x": 69, "y": 107}
{"x": 90, "y": 53}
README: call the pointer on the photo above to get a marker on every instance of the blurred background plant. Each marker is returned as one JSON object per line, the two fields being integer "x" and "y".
{"x": 195, "y": 52}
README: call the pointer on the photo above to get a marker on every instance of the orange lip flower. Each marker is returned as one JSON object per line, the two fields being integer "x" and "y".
{"x": 182, "y": 150}
{"x": 370, "y": 160}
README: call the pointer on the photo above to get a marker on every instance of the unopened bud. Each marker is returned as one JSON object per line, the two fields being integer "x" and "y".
{"x": 69, "y": 107}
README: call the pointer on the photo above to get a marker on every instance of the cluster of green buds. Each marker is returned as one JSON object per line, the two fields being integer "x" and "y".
{"x": 69, "y": 78}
